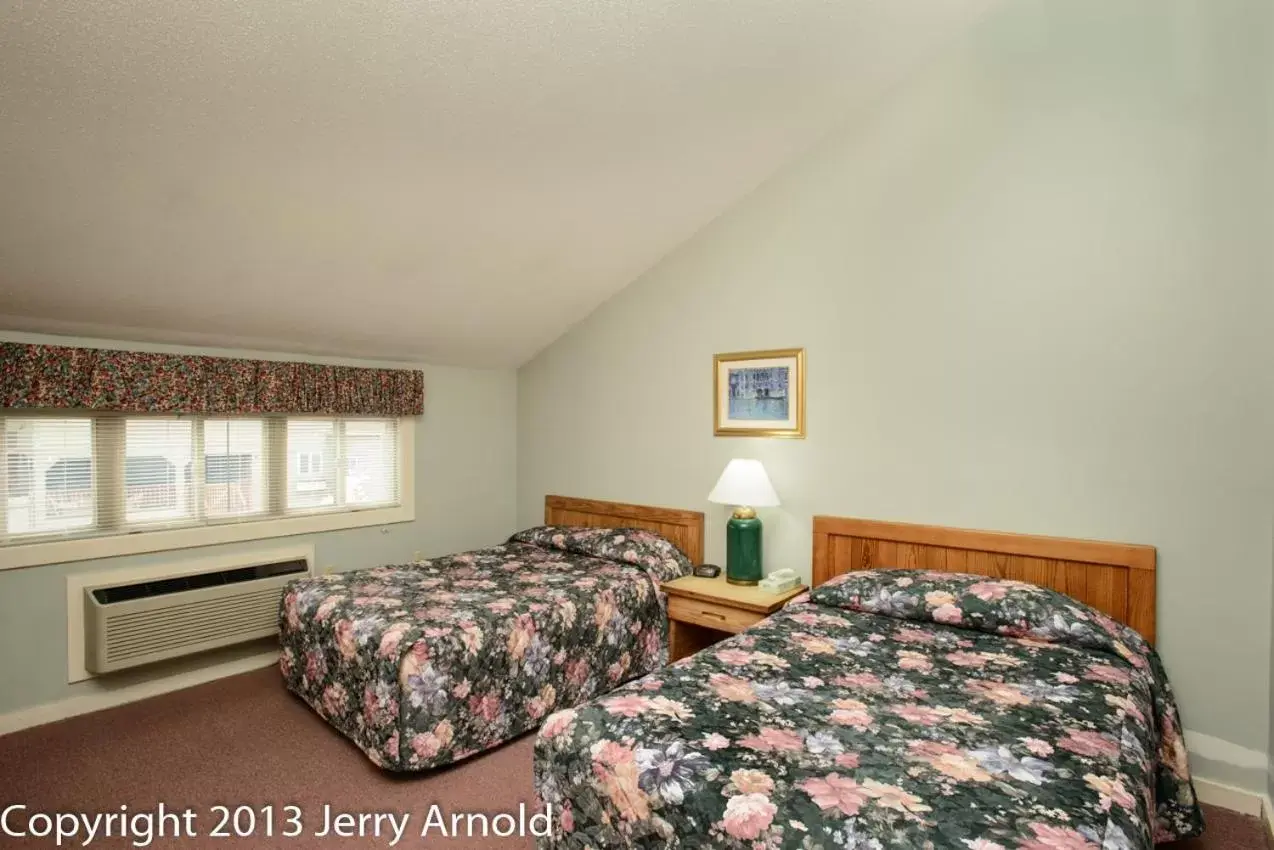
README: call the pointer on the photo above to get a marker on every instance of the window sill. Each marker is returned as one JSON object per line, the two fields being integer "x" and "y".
{"x": 94, "y": 548}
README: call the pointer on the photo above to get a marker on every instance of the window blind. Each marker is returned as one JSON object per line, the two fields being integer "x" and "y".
{"x": 104, "y": 474}
{"x": 50, "y": 477}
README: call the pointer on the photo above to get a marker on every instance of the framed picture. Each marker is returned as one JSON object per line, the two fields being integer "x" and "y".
{"x": 759, "y": 393}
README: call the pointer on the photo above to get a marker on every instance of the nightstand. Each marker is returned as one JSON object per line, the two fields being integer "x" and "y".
{"x": 702, "y": 611}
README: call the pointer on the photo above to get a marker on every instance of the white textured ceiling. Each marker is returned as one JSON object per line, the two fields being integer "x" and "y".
{"x": 456, "y": 181}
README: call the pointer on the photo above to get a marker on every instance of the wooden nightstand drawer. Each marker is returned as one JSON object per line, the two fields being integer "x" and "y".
{"x": 711, "y": 615}
{"x": 702, "y": 611}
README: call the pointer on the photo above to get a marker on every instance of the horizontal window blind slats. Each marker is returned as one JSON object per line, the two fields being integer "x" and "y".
{"x": 234, "y": 467}
{"x": 50, "y": 480}
{"x": 83, "y": 476}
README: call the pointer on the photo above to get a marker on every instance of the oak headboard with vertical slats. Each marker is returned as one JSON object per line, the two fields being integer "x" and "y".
{"x": 683, "y": 528}
{"x": 1115, "y": 578}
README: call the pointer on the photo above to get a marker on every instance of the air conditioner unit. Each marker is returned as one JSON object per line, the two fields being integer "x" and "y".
{"x": 127, "y": 625}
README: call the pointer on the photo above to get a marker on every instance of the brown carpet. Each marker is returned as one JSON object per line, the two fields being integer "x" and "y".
{"x": 246, "y": 740}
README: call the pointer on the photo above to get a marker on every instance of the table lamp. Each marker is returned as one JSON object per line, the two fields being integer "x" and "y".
{"x": 745, "y": 485}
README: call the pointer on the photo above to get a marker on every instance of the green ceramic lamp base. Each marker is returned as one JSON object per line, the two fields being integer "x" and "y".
{"x": 743, "y": 548}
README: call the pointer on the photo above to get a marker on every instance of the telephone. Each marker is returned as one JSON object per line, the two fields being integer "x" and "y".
{"x": 780, "y": 580}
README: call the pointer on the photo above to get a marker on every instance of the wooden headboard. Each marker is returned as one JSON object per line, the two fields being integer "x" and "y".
{"x": 1115, "y": 578}
{"x": 683, "y": 528}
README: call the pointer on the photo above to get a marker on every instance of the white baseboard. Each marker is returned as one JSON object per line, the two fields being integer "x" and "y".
{"x": 62, "y": 709}
{"x": 1229, "y": 797}
{"x": 1225, "y": 752}
{"x": 1227, "y": 774}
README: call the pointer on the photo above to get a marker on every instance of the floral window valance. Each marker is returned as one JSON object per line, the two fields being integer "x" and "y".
{"x": 54, "y": 376}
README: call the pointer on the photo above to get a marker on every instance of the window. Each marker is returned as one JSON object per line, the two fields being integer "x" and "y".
{"x": 370, "y": 449}
{"x": 363, "y": 467}
{"x": 154, "y": 449}
{"x": 234, "y": 467}
{"x": 78, "y": 478}
{"x": 49, "y": 472}
{"x": 21, "y": 472}
{"x": 309, "y": 463}
{"x": 314, "y": 485}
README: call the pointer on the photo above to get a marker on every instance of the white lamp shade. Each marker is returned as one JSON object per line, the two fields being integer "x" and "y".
{"x": 744, "y": 482}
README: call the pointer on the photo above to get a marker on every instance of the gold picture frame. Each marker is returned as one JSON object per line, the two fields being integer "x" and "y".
{"x": 759, "y": 393}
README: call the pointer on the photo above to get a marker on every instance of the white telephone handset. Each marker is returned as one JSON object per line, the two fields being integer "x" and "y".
{"x": 780, "y": 580}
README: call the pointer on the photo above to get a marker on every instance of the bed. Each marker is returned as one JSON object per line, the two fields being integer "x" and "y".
{"x": 938, "y": 688}
{"x": 428, "y": 663}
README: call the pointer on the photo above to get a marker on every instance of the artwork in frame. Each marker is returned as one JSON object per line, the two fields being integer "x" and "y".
{"x": 759, "y": 393}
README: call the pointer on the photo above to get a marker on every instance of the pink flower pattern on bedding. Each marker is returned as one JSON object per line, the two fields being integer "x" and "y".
{"x": 428, "y": 663}
{"x": 894, "y": 708}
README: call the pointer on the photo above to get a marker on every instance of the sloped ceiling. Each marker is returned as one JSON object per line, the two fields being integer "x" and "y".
{"x": 454, "y": 181}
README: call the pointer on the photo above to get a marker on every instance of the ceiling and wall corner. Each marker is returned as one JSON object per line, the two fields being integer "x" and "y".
{"x": 454, "y": 183}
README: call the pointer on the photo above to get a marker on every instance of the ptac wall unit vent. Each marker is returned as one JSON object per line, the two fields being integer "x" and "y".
{"x": 127, "y": 625}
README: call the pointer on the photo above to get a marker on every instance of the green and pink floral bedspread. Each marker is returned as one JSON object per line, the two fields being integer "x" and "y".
{"x": 895, "y": 709}
{"x": 428, "y": 663}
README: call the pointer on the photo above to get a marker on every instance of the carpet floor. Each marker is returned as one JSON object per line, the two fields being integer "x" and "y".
{"x": 245, "y": 741}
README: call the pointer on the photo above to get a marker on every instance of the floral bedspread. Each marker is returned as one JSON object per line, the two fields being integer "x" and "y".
{"x": 894, "y": 709}
{"x": 427, "y": 663}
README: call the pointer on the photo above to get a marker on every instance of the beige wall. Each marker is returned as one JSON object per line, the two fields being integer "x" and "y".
{"x": 465, "y": 467}
{"x": 1034, "y": 295}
